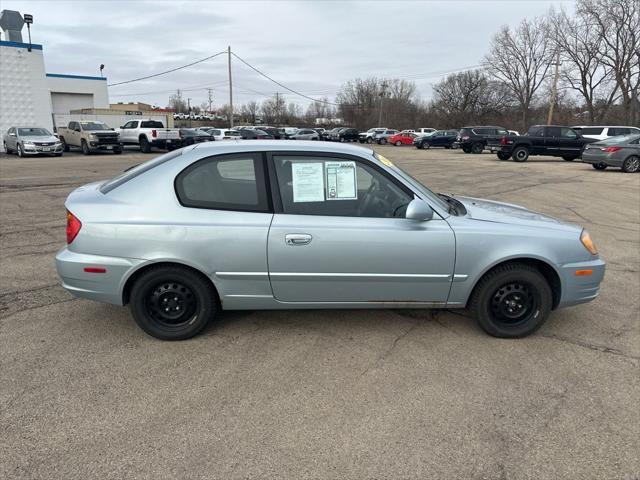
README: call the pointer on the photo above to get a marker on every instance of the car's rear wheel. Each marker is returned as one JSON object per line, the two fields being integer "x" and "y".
{"x": 382, "y": 141}
{"x": 631, "y": 164}
{"x": 511, "y": 301}
{"x": 520, "y": 154}
{"x": 173, "y": 303}
{"x": 503, "y": 156}
{"x": 398, "y": 143}
{"x": 477, "y": 147}
{"x": 599, "y": 166}
{"x": 466, "y": 149}
{"x": 117, "y": 151}
{"x": 145, "y": 147}
{"x": 65, "y": 147}
{"x": 569, "y": 158}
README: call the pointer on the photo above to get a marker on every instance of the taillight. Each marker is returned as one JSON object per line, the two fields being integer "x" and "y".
{"x": 611, "y": 149}
{"x": 465, "y": 138}
{"x": 73, "y": 227}
{"x": 503, "y": 141}
{"x": 154, "y": 133}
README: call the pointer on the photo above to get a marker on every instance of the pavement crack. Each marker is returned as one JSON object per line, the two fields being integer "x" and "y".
{"x": 591, "y": 346}
{"x": 384, "y": 355}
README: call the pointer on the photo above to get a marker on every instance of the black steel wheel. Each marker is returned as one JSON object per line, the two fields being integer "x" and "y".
{"x": 477, "y": 147}
{"x": 511, "y": 301}
{"x": 503, "y": 156}
{"x": 599, "y": 166}
{"x": 173, "y": 303}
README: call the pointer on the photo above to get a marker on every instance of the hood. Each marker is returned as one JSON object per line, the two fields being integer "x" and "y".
{"x": 111, "y": 132}
{"x": 499, "y": 212}
{"x": 39, "y": 138}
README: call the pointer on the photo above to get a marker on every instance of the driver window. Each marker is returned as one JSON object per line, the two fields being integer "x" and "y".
{"x": 567, "y": 133}
{"x": 337, "y": 187}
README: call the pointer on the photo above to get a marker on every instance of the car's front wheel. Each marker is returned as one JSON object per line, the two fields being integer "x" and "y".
{"x": 631, "y": 164}
{"x": 503, "y": 156}
{"x": 173, "y": 303}
{"x": 477, "y": 147}
{"x": 6, "y": 149}
{"x": 85, "y": 147}
{"x": 521, "y": 154}
{"x": 20, "y": 151}
{"x": 511, "y": 301}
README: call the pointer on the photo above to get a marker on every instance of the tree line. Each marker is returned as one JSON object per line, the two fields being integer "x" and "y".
{"x": 592, "y": 56}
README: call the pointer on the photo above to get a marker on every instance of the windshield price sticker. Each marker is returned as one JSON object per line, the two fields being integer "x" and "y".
{"x": 341, "y": 180}
{"x": 308, "y": 182}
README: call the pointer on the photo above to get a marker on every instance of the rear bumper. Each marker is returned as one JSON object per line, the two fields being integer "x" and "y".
{"x": 578, "y": 289}
{"x": 600, "y": 157}
{"x": 102, "y": 287}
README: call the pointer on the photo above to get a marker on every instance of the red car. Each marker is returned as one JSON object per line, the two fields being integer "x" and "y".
{"x": 402, "y": 138}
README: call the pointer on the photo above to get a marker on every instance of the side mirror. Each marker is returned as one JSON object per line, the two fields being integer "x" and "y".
{"x": 419, "y": 210}
{"x": 12, "y": 134}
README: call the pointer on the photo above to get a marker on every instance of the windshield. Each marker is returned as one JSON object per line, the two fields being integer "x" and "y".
{"x": 413, "y": 182}
{"x": 34, "y": 132}
{"x": 620, "y": 139}
{"x": 89, "y": 126}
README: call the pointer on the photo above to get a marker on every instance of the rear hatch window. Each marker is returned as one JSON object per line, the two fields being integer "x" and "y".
{"x": 133, "y": 172}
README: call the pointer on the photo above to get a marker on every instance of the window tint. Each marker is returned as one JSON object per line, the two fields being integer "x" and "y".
{"x": 501, "y": 131}
{"x": 337, "y": 187}
{"x": 553, "y": 132}
{"x": 228, "y": 182}
{"x": 591, "y": 130}
{"x": 619, "y": 131}
{"x": 567, "y": 133}
{"x": 152, "y": 124}
{"x": 536, "y": 132}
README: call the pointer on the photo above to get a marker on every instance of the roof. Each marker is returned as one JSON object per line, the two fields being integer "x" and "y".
{"x": 6, "y": 43}
{"x": 283, "y": 145}
{"x": 76, "y": 77}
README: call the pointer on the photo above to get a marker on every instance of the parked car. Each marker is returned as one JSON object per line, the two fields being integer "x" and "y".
{"x": 402, "y": 138}
{"x": 255, "y": 135}
{"x": 424, "y": 131}
{"x": 383, "y": 137}
{"x": 347, "y": 135}
{"x": 476, "y": 139}
{"x": 31, "y": 141}
{"x": 317, "y": 225}
{"x": 328, "y": 134}
{"x": 602, "y": 133}
{"x": 222, "y": 134}
{"x": 304, "y": 134}
{"x": 147, "y": 133}
{"x": 620, "y": 151}
{"x": 550, "y": 140}
{"x": 320, "y": 131}
{"x": 367, "y": 137}
{"x": 190, "y": 136}
{"x": 276, "y": 133}
{"x": 90, "y": 136}
{"x": 439, "y": 138}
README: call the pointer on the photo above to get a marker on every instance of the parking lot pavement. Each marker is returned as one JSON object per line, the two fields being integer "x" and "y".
{"x": 84, "y": 393}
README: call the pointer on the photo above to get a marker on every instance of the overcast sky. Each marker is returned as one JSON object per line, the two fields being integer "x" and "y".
{"x": 310, "y": 46}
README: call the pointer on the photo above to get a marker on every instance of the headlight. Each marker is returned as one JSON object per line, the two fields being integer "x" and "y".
{"x": 93, "y": 136}
{"x": 585, "y": 238}
{"x": 28, "y": 144}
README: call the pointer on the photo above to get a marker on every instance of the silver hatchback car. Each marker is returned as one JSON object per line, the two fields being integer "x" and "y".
{"x": 295, "y": 224}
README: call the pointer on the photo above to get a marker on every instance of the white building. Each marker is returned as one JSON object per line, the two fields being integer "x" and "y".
{"x": 31, "y": 97}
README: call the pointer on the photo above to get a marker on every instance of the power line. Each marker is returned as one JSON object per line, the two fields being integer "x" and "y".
{"x": 168, "y": 71}
{"x": 203, "y": 87}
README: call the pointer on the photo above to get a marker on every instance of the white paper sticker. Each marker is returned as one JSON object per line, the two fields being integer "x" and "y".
{"x": 341, "y": 180}
{"x": 308, "y": 182}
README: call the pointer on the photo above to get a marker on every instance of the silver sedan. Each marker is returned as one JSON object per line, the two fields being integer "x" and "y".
{"x": 304, "y": 134}
{"x": 31, "y": 141}
{"x": 622, "y": 152}
{"x": 290, "y": 225}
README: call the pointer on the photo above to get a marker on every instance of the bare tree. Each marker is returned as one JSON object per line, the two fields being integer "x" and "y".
{"x": 521, "y": 59}
{"x": 249, "y": 112}
{"x": 177, "y": 102}
{"x": 583, "y": 71}
{"x": 617, "y": 22}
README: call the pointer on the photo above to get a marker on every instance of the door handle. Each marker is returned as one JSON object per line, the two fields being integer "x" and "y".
{"x": 294, "y": 239}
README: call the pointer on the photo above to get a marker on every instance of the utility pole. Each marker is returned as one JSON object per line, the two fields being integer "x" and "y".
{"x": 210, "y": 91}
{"x": 382, "y": 94}
{"x": 554, "y": 89}
{"x": 277, "y": 109}
{"x": 230, "y": 89}
{"x": 189, "y": 109}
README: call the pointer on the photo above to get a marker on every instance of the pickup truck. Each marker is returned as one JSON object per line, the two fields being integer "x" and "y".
{"x": 90, "y": 136}
{"x": 550, "y": 140}
{"x": 147, "y": 133}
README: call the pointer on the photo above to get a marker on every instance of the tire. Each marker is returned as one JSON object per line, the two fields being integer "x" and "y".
{"x": 466, "y": 149}
{"x": 196, "y": 305}
{"x": 503, "y": 156}
{"x": 58, "y": 154}
{"x": 85, "y": 147}
{"x": 117, "y": 151}
{"x": 398, "y": 143}
{"x": 511, "y": 301}
{"x": 6, "y": 149}
{"x": 477, "y": 148}
{"x": 599, "y": 166}
{"x": 382, "y": 141}
{"x": 569, "y": 158}
{"x": 20, "y": 151}
{"x": 65, "y": 147}
{"x": 426, "y": 145}
{"x": 145, "y": 147}
{"x": 631, "y": 164}
{"x": 520, "y": 154}
{"x": 369, "y": 140}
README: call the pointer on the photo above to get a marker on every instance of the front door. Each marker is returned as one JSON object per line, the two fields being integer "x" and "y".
{"x": 342, "y": 237}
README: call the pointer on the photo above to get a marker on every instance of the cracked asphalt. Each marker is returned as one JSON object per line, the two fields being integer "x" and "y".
{"x": 320, "y": 394}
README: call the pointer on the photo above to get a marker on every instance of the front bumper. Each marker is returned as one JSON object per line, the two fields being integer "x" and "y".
{"x": 102, "y": 287}
{"x": 38, "y": 149}
{"x": 578, "y": 289}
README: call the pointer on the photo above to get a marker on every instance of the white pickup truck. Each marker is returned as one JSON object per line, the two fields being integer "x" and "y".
{"x": 147, "y": 133}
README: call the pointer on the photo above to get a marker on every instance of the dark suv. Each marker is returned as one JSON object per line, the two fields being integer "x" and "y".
{"x": 476, "y": 139}
{"x": 348, "y": 135}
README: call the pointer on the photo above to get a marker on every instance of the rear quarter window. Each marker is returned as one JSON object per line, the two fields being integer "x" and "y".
{"x": 152, "y": 124}
{"x": 132, "y": 173}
